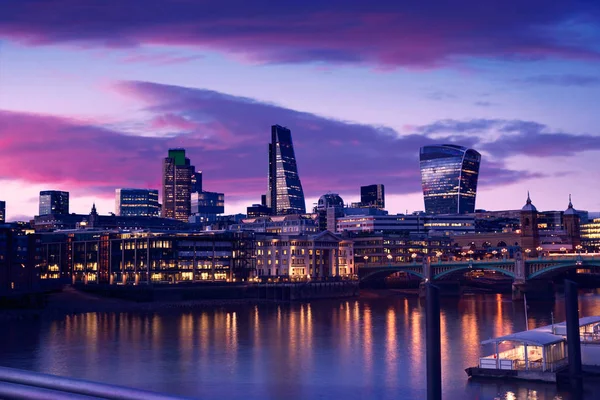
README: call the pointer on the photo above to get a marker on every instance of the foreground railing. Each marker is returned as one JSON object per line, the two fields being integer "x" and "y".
{"x": 19, "y": 384}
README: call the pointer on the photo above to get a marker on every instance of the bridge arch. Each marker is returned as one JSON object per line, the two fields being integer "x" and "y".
{"x": 385, "y": 272}
{"x": 466, "y": 268}
{"x": 571, "y": 264}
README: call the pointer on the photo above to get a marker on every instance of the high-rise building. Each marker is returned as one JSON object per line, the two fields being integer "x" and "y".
{"x": 137, "y": 203}
{"x": 2, "y": 212}
{"x": 449, "y": 177}
{"x": 178, "y": 174}
{"x": 285, "y": 194}
{"x": 206, "y": 206}
{"x": 54, "y": 202}
{"x": 372, "y": 196}
{"x": 197, "y": 182}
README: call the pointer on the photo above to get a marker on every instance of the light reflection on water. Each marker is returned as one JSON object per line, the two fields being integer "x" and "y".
{"x": 355, "y": 349}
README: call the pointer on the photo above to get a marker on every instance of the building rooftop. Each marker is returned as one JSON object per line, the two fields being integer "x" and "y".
{"x": 532, "y": 338}
{"x": 529, "y": 205}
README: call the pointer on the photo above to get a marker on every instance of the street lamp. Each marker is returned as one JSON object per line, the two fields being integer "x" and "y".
{"x": 527, "y": 251}
{"x": 504, "y": 251}
{"x": 578, "y": 248}
{"x": 389, "y": 257}
{"x": 495, "y": 253}
{"x": 414, "y": 257}
{"x": 563, "y": 249}
{"x": 471, "y": 254}
{"x": 366, "y": 258}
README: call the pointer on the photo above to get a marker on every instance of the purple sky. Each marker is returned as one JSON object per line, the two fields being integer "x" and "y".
{"x": 93, "y": 93}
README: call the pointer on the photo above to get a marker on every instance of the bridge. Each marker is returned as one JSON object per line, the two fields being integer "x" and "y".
{"x": 521, "y": 270}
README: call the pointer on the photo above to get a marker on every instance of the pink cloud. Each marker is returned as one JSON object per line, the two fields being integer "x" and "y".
{"x": 385, "y": 34}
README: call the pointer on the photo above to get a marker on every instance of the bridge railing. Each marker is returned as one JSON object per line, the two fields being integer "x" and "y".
{"x": 19, "y": 384}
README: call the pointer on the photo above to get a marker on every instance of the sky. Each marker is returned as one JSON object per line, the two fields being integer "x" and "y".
{"x": 93, "y": 94}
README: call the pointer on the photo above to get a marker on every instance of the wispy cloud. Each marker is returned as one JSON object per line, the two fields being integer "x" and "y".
{"x": 562, "y": 80}
{"x": 226, "y": 136}
{"x": 385, "y": 34}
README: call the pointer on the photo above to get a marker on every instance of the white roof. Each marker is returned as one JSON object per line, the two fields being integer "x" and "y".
{"x": 532, "y": 337}
{"x": 562, "y": 325}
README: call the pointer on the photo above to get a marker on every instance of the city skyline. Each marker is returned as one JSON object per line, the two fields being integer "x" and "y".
{"x": 115, "y": 95}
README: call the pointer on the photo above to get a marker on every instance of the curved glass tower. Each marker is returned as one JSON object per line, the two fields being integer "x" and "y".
{"x": 285, "y": 194}
{"x": 449, "y": 177}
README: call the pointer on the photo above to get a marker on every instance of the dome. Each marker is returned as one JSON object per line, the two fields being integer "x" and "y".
{"x": 570, "y": 210}
{"x": 528, "y": 205}
{"x": 330, "y": 200}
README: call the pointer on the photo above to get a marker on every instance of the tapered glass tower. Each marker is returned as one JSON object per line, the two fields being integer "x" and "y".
{"x": 449, "y": 178}
{"x": 285, "y": 194}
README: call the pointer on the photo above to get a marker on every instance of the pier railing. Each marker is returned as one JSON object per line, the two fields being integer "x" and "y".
{"x": 19, "y": 384}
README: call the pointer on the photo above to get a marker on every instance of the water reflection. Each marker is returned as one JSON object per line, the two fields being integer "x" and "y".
{"x": 351, "y": 349}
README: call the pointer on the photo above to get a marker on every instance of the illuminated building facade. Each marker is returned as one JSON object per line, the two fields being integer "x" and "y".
{"x": 285, "y": 194}
{"x": 406, "y": 224}
{"x": 590, "y": 235}
{"x": 449, "y": 178}
{"x": 280, "y": 224}
{"x": 54, "y": 202}
{"x": 2, "y": 212}
{"x": 119, "y": 257}
{"x": 372, "y": 196}
{"x": 178, "y": 177}
{"x": 383, "y": 249}
{"x": 301, "y": 257}
{"x": 137, "y": 203}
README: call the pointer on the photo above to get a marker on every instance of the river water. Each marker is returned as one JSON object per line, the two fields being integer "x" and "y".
{"x": 367, "y": 348}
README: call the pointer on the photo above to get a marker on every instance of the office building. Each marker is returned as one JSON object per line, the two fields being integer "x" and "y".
{"x": 125, "y": 257}
{"x": 2, "y": 212}
{"x": 178, "y": 174}
{"x": 54, "y": 202}
{"x": 449, "y": 178}
{"x": 206, "y": 206}
{"x": 285, "y": 194}
{"x": 301, "y": 257}
{"x": 137, "y": 203}
{"x": 398, "y": 224}
{"x": 258, "y": 210}
{"x": 372, "y": 196}
{"x": 590, "y": 235}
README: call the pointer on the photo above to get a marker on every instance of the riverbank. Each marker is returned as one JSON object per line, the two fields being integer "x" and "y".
{"x": 88, "y": 299}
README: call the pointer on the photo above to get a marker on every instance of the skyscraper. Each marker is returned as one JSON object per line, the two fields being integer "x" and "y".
{"x": 137, "y": 203}
{"x": 2, "y": 212}
{"x": 449, "y": 177}
{"x": 372, "y": 196}
{"x": 284, "y": 195}
{"x": 54, "y": 202}
{"x": 178, "y": 174}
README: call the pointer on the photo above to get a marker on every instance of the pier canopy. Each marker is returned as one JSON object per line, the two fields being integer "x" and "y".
{"x": 589, "y": 329}
{"x": 530, "y": 338}
{"x": 529, "y": 350}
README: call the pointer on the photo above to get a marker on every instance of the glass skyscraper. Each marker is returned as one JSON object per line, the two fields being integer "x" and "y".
{"x": 137, "y": 203}
{"x": 449, "y": 177}
{"x": 178, "y": 176}
{"x": 285, "y": 194}
{"x": 54, "y": 202}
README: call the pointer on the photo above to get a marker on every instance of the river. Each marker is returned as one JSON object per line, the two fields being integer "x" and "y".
{"x": 372, "y": 347}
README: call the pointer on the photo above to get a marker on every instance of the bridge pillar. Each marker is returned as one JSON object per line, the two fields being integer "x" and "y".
{"x": 535, "y": 290}
{"x": 518, "y": 290}
{"x": 428, "y": 276}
